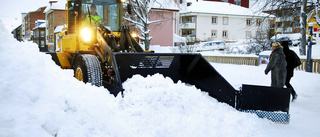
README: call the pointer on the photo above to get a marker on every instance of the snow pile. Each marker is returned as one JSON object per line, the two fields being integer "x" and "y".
{"x": 37, "y": 98}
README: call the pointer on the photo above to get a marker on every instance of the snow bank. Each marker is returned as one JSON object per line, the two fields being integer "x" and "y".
{"x": 37, "y": 98}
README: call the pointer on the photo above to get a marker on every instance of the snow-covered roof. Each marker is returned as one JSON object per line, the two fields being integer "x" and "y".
{"x": 43, "y": 25}
{"x": 60, "y": 5}
{"x": 40, "y": 20}
{"x": 212, "y": 7}
{"x": 166, "y": 4}
{"x": 59, "y": 28}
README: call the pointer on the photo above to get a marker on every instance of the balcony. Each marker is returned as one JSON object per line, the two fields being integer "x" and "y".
{"x": 280, "y": 19}
{"x": 285, "y": 30}
{"x": 187, "y": 25}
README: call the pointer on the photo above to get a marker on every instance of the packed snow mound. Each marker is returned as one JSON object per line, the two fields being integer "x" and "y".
{"x": 38, "y": 98}
{"x": 181, "y": 107}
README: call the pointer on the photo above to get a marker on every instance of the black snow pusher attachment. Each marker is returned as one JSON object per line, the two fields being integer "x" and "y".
{"x": 195, "y": 70}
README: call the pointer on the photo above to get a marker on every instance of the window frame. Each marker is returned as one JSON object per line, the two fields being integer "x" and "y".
{"x": 258, "y": 32}
{"x": 259, "y": 22}
{"x": 216, "y": 20}
{"x": 212, "y": 33}
{"x": 250, "y": 33}
{"x": 250, "y": 21}
{"x": 223, "y": 32}
{"x": 223, "y": 23}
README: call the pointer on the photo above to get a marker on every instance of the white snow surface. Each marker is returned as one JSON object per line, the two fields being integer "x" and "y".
{"x": 222, "y": 8}
{"x": 59, "y": 5}
{"x": 39, "y": 99}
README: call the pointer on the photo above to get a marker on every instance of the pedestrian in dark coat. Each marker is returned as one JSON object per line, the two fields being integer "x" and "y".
{"x": 292, "y": 62}
{"x": 277, "y": 66}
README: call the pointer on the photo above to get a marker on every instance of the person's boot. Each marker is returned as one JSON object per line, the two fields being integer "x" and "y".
{"x": 294, "y": 97}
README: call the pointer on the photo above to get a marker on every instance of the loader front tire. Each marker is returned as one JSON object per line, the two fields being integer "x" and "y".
{"x": 87, "y": 69}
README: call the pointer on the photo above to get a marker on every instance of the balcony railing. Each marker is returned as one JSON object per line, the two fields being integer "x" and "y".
{"x": 187, "y": 25}
{"x": 280, "y": 19}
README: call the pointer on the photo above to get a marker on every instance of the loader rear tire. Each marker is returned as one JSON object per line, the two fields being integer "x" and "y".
{"x": 87, "y": 69}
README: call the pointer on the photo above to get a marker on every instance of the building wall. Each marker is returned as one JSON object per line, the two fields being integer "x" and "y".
{"x": 236, "y": 28}
{"x": 23, "y": 15}
{"x": 31, "y": 17}
{"x": 54, "y": 19}
{"x": 39, "y": 38}
{"x": 50, "y": 27}
{"x": 162, "y": 32}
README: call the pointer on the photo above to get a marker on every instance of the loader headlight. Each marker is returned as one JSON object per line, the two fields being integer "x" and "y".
{"x": 86, "y": 34}
{"x": 134, "y": 35}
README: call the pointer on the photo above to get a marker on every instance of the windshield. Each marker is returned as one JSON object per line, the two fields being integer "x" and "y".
{"x": 103, "y": 12}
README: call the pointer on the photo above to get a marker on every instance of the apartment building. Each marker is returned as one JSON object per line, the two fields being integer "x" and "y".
{"x": 205, "y": 21}
{"x": 39, "y": 35}
{"x": 30, "y": 19}
{"x": 55, "y": 16}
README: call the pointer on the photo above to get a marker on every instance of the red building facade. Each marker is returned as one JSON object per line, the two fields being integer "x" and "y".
{"x": 30, "y": 19}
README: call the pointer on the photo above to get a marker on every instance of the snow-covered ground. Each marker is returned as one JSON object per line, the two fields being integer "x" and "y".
{"x": 38, "y": 99}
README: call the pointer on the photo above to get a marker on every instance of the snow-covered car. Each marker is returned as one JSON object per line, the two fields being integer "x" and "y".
{"x": 212, "y": 45}
{"x": 285, "y": 39}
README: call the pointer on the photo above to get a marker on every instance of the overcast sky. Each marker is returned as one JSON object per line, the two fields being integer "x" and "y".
{"x": 10, "y": 11}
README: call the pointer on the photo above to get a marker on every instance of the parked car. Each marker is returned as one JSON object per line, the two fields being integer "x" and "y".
{"x": 212, "y": 45}
{"x": 285, "y": 39}
{"x": 294, "y": 42}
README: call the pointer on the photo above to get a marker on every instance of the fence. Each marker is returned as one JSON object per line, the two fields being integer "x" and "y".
{"x": 233, "y": 60}
{"x": 315, "y": 63}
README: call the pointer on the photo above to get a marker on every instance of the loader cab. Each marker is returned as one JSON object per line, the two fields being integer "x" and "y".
{"x": 109, "y": 12}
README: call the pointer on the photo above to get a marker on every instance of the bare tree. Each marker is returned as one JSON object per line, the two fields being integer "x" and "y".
{"x": 292, "y": 5}
{"x": 140, "y": 18}
{"x": 303, "y": 29}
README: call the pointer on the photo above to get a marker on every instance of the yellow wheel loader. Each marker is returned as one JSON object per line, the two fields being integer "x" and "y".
{"x": 101, "y": 51}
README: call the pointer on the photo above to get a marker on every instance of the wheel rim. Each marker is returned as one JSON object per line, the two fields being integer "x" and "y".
{"x": 79, "y": 74}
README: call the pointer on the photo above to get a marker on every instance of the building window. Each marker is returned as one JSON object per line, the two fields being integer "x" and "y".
{"x": 237, "y": 2}
{"x": 272, "y": 26}
{"x": 224, "y": 34}
{"x": 42, "y": 33}
{"x": 35, "y": 32}
{"x": 258, "y": 35}
{"x": 213, "y": 33}
{"x": 214, "y": 20}
{"x": 259, "y": 21}
{"x": 248, "y": 34}
{"x": 249, "y": 21}
{"x": 42, "y": 43}
{"x": 225, "y": 20}
{"x": 188, "y": 19}
{"x": 224, "y": 1}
